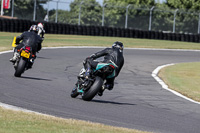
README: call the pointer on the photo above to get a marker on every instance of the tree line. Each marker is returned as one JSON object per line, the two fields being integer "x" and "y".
{"x": 90, "y": 12}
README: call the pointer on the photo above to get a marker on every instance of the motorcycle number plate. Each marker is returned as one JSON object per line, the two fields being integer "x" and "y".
{"x": 25, "y": 54}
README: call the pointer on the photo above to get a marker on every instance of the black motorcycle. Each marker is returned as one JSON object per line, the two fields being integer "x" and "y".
{"x": 24, "y": 60}
{"x": 89, "y": 87}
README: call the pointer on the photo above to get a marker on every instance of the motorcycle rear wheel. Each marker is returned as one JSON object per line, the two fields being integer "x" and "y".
{"x": 94, "y": 89}
{"x": 20, "y": 67}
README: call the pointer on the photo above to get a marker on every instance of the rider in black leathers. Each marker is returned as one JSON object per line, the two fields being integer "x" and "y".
{"x": 29, "y": 38}
{"x": 114, "y": 54}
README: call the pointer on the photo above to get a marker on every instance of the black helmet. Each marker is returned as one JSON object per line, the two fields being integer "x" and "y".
{"x": 118, "y": 45}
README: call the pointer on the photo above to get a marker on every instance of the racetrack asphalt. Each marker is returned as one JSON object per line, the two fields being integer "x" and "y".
{"x": 137, "y": 100}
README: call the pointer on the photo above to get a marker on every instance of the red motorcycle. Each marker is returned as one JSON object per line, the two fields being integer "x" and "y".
{"x": 24, "y": 60}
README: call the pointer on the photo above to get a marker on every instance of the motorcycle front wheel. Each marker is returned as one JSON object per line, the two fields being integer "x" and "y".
{"x": 74, "y": 92}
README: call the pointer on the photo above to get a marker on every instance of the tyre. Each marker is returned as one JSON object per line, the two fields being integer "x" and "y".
{"x": 74, "y": 93}
{"x": 20, "y": 67}
{"x": 94, "y": 89}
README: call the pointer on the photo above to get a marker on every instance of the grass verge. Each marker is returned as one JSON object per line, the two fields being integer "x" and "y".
{"x": 52, "y": 40}
{"x": 20, "y": 122}
{"x": 183, "y": 78}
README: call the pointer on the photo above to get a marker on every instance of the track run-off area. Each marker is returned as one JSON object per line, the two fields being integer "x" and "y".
{"x": 137, "y": 101}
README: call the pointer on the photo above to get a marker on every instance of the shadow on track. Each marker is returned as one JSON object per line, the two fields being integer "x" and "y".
{"x": 40, "y": 57}
{"x": 111, "y": 102}
{"x": 32, "y": 78}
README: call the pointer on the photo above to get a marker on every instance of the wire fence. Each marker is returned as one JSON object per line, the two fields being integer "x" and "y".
{"x": 109, "y": 15}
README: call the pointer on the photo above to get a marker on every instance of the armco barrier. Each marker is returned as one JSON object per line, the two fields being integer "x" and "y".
{"x": 18, "y": 25}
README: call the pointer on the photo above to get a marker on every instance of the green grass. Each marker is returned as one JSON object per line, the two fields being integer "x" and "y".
{"x": 52, "y": 40}
{"x": 183, "y": 78}
{"x": 20, "y": 122}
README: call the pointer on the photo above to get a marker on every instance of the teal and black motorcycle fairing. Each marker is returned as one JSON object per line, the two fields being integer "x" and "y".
{"x": 110, "y": 73}
{"x": 88, "y": 88}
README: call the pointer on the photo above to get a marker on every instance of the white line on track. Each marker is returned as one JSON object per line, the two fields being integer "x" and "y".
{"x": 154, "y": 74}
{"x": 6, "y": 52}
{"x": 164, "y": 86}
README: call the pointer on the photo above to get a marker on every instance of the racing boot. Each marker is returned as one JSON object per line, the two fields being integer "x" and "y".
{"x": 106, "y": 86}
{"x": 87, "y": 67}
{"x": 87, "y": 76}
{"x": 100, "y": 93}
{"x": 14, "y": 58}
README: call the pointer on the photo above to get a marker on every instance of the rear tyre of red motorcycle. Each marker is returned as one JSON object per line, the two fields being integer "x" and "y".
{"x": 20, "y": 67}
{"x": 94, "y": 89}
